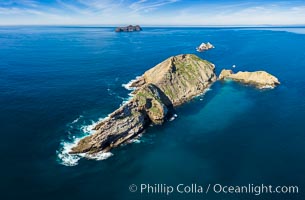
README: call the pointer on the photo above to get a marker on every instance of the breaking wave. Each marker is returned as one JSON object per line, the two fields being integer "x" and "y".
{"x": 200, "y": 96}
{"x": 77, "y": 119}
{"x": 128, "y": 85}
{"x": 126, "y": 100}
{"x": 77, "y": 130}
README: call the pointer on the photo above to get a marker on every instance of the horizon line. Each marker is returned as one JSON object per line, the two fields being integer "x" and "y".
{"x": 156, "y": 25}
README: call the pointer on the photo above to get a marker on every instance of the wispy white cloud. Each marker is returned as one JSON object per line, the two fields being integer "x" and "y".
{"x": 27, "y": 3}
{"x": 101, "y": 4}
{"x": 251, "y": 15}
{"x": 72, "y": 8}
{"x": 27, "y": 15}
{"x": 150, "y": 12}
{"x": 146, "y": 5}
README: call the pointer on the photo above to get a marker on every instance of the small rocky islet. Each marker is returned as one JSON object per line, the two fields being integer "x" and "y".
{"x": 157, "y": 92}
{"x": 129, "y": 28}
{"x": 259, "y": 79}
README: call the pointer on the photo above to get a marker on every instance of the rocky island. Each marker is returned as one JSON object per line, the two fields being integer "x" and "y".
{"x": 260, "y": 79}
{"x": 157, "y": 92}
{"x": 129, "y": 28}
{"x": 168, "y": 84}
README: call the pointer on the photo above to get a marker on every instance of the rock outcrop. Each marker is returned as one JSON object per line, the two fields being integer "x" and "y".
{"x": 205, "y": 47}
{"x": 260, "y": 79}
{"x": 170, "y": 83}
{"x": 129, "y": 28}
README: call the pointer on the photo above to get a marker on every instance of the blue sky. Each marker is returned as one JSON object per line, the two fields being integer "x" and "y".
{"x": 153, "y": 12}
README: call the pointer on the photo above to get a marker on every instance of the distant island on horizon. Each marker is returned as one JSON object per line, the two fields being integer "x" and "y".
{"x": 129, "y": 28}
{"x": 118, "y": 27}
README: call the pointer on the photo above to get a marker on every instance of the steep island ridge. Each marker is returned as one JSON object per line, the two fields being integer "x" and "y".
{"x": 157, "y": 92}
{"x": 170, "y": 83}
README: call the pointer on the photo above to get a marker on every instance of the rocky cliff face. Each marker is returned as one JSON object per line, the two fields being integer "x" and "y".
{"x": 170, "y": 83}
{"x": 260, "y": 79}
{"x": 180, "y": 77}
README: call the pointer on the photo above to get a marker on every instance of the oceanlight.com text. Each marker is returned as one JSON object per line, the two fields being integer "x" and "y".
{"x": 195, "y": 188}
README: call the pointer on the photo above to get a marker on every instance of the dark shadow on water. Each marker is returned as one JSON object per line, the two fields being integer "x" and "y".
{"x": 195, "y": 105}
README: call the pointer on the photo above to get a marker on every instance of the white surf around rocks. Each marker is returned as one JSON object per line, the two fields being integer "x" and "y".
{"x": 128, "y": 85}
{"x": 63, "y": 155}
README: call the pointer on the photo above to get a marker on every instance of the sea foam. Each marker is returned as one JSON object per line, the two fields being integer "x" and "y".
{"x": 128, "y": 85}
{"x": 98, "y": 156}
{"x": 67, "y": 159}
{"x": 126, "y": 100}
{"x": 63, "y": 155}
{"x": 76, "y": 120}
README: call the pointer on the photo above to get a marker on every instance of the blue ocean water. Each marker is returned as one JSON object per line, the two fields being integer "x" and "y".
{"x": 57, "y": 81}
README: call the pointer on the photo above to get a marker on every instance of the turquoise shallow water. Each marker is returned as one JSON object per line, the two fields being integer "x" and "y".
{"x": 55, "y": 81}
